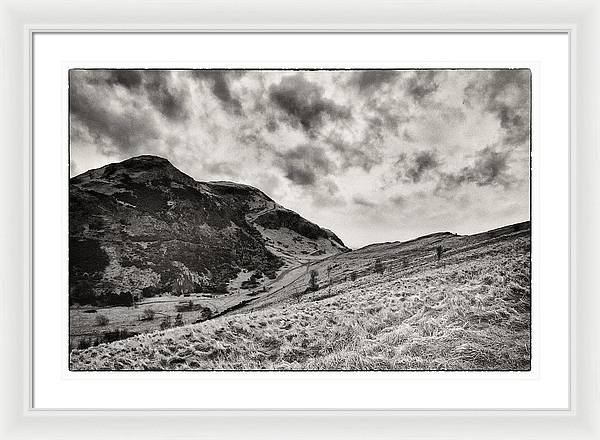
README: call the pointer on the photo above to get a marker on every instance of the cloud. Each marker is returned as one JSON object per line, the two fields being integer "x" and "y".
{"x": 356, "y": 154}
{"x": 327, "y": 195}
{"x": 111, "y": 123}
{"x": 506, "y": 94}
{"x": 168, "y": 99}
{"x": 304, "y": 164}
{"x": 421, "y": 84}
{"x": 362, "y": 201}
{"x": 303, "y": 103}
{"x": 220, "y": 168}
{"x": 130, "y": 79}
{"x": 398, "y": 200}
{"x": 219, "y": 81}
{"x": 490, "y": 168}
{"x": 420, "y": 163}
{"x": 386, "y": 115}
{"x": 368, "y": 81}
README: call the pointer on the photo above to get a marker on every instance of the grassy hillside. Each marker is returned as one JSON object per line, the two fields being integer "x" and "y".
{"x": 469, "y": 311}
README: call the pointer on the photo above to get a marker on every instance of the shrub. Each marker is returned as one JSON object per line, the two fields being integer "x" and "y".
{"x": 150, "y": 291}
{"x": 297, "y": 294}
{"x": 148, "y": 315}
{"x": 206, "y": 313}
{"x": 165, "y": 323}
{"x": 220, "y": 288}
{"x": 119, "y": 299}
{"x": 84, "y": 343}
{"x": 188, "y": 306}
{"x": 86, "y": 256}
{"x": 117, "y": 335}
{"x": 102, "y": 320}
{"x": 313, "y": 282}
{"x": 178, "y": 320}
{"x": 82, "y": 292}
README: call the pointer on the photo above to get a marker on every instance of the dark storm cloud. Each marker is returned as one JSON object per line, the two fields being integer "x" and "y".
{"x": 490, "y": 168}
{"x": 130, "y": 79}
{"x": 305, "y": 164}
{"x": 421, "y": 162}
{"x": 169, "y": 100}
{"x": 421, "y": 84}
{"x": 506, "y": 94}
{"x": 368, "y": 81}
{"x": 303, "y": 103}
{"x": 219, "y": 81}
{"x": 92, "y": 113}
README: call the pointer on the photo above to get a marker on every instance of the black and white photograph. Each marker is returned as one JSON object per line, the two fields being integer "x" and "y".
{"x": 299, "y": 219}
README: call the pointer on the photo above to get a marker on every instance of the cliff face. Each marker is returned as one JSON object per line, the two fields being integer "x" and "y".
{"x": 143, "y": 226}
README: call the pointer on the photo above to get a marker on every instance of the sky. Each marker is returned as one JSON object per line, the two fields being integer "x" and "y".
{"x": 373, "y": 155}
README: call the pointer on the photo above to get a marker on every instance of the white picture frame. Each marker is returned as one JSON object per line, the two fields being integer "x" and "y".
{"x": 20, "y": 22}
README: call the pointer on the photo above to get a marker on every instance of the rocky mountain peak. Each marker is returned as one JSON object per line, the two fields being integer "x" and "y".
{"x": 142, "y": 224}
{"x": 138, "y": 169}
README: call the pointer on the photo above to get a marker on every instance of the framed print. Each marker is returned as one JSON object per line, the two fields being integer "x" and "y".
{"x": 299, "y": 226}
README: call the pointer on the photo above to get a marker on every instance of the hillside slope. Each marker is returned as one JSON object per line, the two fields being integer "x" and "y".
{"x": 398, "y": 259}
{"x": 468, "y": 311}
{"x": 142, "y": 225}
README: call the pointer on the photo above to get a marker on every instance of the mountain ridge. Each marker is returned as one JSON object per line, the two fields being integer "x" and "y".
{"x": 143, "y": 224}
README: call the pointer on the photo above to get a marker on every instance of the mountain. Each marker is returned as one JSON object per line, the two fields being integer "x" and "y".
{"x": 141, "y": 226}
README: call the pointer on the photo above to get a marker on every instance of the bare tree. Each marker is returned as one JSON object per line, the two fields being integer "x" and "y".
{"x": 439, "y": 251}
{"x": 313, "y": 282}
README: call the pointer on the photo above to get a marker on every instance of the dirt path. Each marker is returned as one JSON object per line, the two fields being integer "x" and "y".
{"x": 278, "y": 290}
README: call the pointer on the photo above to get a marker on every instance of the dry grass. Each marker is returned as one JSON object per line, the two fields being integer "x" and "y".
{"x": 472, "y": 312}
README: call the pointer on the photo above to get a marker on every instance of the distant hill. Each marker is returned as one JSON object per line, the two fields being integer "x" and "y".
{"x": 141, "y": 226}
{"x": 399, "y": 259}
